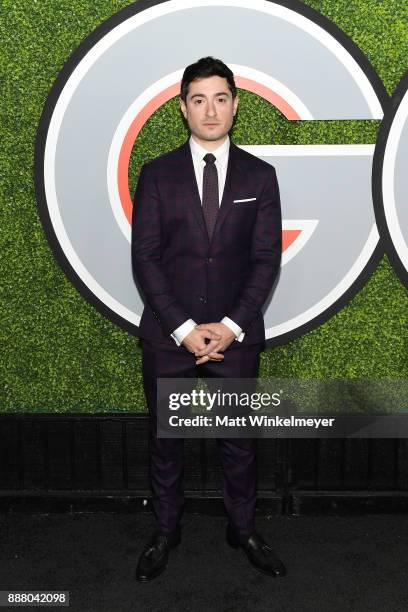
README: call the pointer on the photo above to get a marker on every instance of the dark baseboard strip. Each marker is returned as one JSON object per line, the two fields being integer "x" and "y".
{"x": 343, "y": 503}
{"x": 323, "y": 503}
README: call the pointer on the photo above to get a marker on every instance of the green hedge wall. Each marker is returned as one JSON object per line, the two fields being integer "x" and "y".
{"x": 57, "y": 352}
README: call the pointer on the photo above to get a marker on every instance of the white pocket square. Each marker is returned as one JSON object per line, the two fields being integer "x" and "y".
{"x": 244, "y": 200}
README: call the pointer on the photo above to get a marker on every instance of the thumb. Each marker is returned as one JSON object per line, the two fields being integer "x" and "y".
{"x": 210, "y": 334}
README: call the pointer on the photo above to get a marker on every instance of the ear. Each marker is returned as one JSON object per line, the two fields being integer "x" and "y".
{"x": 235, "y": 104}
{"x": 183, "y": 108}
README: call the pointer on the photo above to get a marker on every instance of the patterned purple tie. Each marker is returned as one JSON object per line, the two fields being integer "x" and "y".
{"x": 210, "y": 193}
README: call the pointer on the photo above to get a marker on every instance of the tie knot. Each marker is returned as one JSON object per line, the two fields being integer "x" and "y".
{"x": 209, "y": 158}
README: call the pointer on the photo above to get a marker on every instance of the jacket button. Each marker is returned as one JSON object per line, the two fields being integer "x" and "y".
{"x": 202, "y": 299}
{"x": 208, "y": 259}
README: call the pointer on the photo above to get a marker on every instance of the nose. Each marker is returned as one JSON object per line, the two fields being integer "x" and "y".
{"x": 211, "y": 111}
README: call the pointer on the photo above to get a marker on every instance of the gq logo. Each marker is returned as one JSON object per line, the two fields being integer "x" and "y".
{"x": 131, "y": 65}
{"x": 390, "y": 179}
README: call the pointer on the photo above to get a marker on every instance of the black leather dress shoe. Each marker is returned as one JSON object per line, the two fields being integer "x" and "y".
{"x": 259, "y": 553}
{"x": 153, "y": 560}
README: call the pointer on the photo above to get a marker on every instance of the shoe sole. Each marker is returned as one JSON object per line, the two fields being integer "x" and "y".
{"x": 152, "y": 577}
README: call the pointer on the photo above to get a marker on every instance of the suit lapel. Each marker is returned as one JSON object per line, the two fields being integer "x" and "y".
{"x": 189, "y": 180}
{"x": 232, "y": 179}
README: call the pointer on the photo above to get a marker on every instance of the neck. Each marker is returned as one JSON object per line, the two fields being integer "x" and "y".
{"x": 210, "y": 145}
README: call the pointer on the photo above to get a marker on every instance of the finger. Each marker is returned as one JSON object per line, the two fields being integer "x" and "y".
{"x": 206, "y": 327}
{"x": 207, "y": 333}
{"x": 214, "y": 356}
{"x": 200, "y": 348}
{"x": 202, "y": 360}
{"x": 209, "y": 348}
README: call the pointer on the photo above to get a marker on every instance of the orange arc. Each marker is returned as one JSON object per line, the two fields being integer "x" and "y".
{"x": 288, "y": 236}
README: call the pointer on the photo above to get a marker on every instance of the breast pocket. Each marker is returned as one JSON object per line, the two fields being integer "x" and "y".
{"x": 245, "y": 202}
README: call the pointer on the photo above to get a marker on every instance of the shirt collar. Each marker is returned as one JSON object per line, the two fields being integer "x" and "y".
{"x": 221, "y": 152}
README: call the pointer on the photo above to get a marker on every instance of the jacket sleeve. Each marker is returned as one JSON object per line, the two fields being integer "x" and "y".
{"x": 147, "y": 251}
{"x": 266, "y": 253}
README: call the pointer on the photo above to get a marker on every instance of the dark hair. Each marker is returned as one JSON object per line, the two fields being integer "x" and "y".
{"x": 206, "y": 67}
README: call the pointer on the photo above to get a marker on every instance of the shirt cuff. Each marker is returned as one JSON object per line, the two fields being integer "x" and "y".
{"x": 182, "y": 331}
{"x": 239, "y": 334}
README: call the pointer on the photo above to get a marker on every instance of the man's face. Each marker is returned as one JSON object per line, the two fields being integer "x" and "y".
{"x": 209, "y": 110}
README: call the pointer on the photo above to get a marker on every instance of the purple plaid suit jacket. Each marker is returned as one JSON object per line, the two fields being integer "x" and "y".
{"x": 180, "y": 272}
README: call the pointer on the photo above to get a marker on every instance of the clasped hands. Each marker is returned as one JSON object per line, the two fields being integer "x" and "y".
{"x": 219, "y": 337}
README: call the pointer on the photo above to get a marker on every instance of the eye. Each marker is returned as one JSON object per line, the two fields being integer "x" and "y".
{"x": 197, "y": 101}
{"x": 222, "y": 99}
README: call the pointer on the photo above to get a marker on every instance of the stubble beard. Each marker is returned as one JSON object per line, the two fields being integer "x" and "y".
{"x": 213, "y": 137}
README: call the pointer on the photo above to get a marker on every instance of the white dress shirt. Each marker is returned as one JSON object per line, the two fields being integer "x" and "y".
{"x": 221, "y": 163}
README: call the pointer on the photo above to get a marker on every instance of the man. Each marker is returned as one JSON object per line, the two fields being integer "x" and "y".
{"x": 206, "y": 248}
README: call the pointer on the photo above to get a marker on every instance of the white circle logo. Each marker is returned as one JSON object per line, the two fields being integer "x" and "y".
{"x": 132, "y": 65}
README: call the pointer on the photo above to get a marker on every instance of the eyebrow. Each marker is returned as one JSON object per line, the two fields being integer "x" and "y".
{"x": 200, "y": 95}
